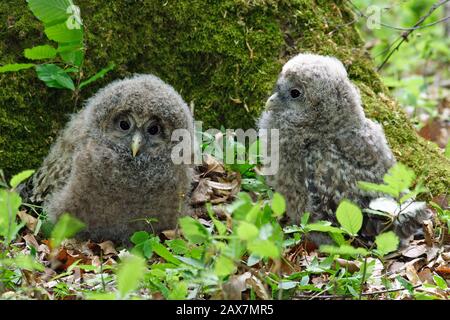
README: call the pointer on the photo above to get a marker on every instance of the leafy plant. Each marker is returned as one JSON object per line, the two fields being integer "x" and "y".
{"x": 62, "y": 25}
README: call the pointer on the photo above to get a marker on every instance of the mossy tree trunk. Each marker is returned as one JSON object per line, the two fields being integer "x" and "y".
{"x": 222, "y": 56}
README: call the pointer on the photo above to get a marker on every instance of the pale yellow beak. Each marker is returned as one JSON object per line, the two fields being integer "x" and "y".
{"x": 136, "y": 143}
{"x": 269, "y": 102}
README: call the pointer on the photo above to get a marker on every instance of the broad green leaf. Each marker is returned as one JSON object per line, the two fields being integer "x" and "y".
{"x": 9, "y": 206}
{"x": 247, "y": 231}
{"x": 286, "y": 285}
{"x": 178, "y": 246}
{"x": 62, "y": 34}
{"x": 139, "y": 237}
{"x": 179, "y": 291}
{"x": 253, "y": 214}
{"x": 344, "y": 249}
{"x": 71, "y": 53}
{"x": 54, "y": 76}
{"x": 130, "y": 273}
{"x": 253, "y": 259}
{"x": 322, "y": 226}
{"x": 264, "y": 248}
{"x": 193, "y": 230}
{"x": 49, "y": 11}
{"x": 350, "y": 217}
{"x": 162, "y": 251}
{"x": 23, "y": 262}
{"x": 278, "y": 204}
{"x": 440, "y": 282}
{"x": 98, "y": 75}
{"x": 15, "y": 67}
{"x": 19, "y": 178}
{"x": 65, "y": 228}
{"x": 387, "y": 242}
{"x": 40, "y": 52}
{"x": 398, "y": 179}
{"x": 221, "y": 228}
{"x": 224, "y": 266}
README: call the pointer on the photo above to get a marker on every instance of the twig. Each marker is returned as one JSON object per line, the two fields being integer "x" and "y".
{"x": 332, "y": 296}
{"x": 404, "y": 36}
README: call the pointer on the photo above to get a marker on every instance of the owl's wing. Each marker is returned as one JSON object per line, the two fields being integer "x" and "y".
{"x": 56, "y": 168}
{"x": 366, "y": 147}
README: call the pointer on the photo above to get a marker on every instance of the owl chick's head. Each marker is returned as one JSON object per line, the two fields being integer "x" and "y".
{"x": 314, "y": 91}
{"x": 137, "y": 116}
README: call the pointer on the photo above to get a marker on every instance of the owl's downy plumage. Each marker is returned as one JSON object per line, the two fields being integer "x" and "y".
{"x": 327, "y": 144}
{"x": 111, "y": 166}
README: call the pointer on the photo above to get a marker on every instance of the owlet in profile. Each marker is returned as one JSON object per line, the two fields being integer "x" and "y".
{"x": 111, "y": 166}
{"x": 327, "y": 144}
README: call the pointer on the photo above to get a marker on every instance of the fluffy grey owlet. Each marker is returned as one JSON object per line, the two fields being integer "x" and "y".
{"x": 327, "y": 144}
{"x": 111, "y": 166}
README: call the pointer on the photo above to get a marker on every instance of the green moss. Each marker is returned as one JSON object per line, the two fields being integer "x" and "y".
{"x": 223, "y": 56}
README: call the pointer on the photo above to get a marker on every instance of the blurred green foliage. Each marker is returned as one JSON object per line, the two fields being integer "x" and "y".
{"x": 421, "y": 60}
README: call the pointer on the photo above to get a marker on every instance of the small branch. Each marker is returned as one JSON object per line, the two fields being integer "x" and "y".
{"x": 404, "y": 36}
{"x": 332, "y": 296}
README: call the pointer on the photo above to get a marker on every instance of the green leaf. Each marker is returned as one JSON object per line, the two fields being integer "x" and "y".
{"x": 22, "y": 261}
{"x": 178, "y": 246}
{"x": 54, "y": 77}
{"x": 221, "y": 228}
{"x": 247, "y": 231}
{"x": 19, "y": 178}
{"x": 447, "y": 150}
{"x": 9, "y": 206}
{"x": 278, "y": 204}
{"x": 224, "y": 266}
{"x": 398, "y": 179}
{"x": 387, "y": 242}
{"x": 264, "y": 248}
{"x": 49, "y": 11}
{"x": 139, "y": 237}
{"x": 71, "y": 53}
{"x": 130, "y": 273}
{"x": 322, "y": 226}
{"x": 343, "y": 250}
{"x": 286, "y": 285}
{"x": 98, "y": 75}
{"x": 350, "y": 217}
{"x": 440, "y": 282}
{"x": 62, "y": 34}
{"x": 15, "y": 67}
{"x": 40, "y": 52}
{"x": 65, "y": 228}
{"x": 179, "y": 291}
{"x": 193, "y": 230}
{"x": 162, "y": 251}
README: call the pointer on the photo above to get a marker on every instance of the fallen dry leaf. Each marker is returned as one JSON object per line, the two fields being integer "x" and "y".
{"x": 443, "y": 271}
{"x": 108, "y": 248}
{"x": 428, "y": 232}
{"x": 258, "y": 287}
{"x": 234, "y": 287}
{"x": 30, "y": 221}
{"x": 415, "y": 251}
{"x": 412, "y": 275}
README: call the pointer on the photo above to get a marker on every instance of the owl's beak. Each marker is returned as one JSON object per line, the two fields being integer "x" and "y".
{"x": 136, "y": 143}
{"x": 269, "y": 103}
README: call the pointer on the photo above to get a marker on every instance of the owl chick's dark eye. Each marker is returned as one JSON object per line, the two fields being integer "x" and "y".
{"x": 124, "y": 125}
{"x": 154, "y": 129}
{"x": 295, "y": 93}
